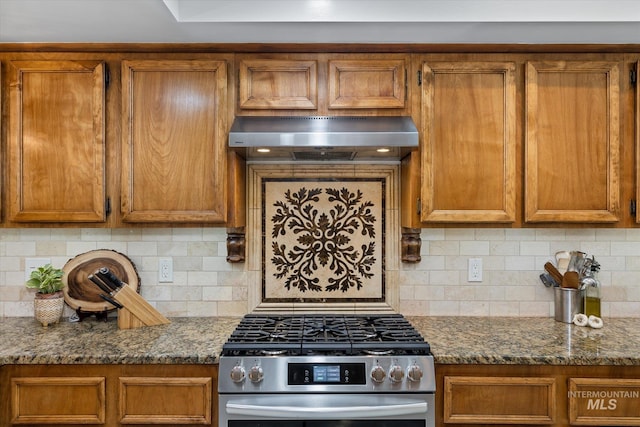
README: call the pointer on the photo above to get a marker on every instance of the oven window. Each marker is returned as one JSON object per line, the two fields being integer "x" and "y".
{"x": 329, "y": 423}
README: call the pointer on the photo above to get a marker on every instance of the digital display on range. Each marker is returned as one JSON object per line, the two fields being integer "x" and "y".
{"x": 326, "y": 373}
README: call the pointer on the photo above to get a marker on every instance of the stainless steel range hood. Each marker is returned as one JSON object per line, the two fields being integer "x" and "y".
{"x": 323, "y": 138}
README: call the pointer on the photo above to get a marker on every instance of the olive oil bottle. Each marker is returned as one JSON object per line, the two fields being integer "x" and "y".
{"x": 592, "y": 291}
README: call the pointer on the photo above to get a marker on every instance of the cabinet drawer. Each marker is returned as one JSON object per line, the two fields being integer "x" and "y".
{"x": 502, "y": 400}
{"x": 145, "y": 400}
{"x": 604, "y": 402}
{"x": 58, "y": 400}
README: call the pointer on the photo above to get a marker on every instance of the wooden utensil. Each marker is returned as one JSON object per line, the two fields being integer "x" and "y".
{"x": 571, "y": 279}
{"x": 553, "y": 271}
{"x": 562, "y": 261}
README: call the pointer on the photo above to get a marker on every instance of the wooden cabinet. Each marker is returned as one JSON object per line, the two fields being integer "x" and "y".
{"x": 56, "y": 146}
{"x": 275, "y": 84}
{"x": 551, "y": 395}
{"x": 636, "y": 120}
{"x": 367, "y": 83}
{"x": 604, "y": 402}
{"x": 145, "y": 400}
{"x": 499, "y": 400}
{"x": 323, "y": 84}
{"x": 572, "y": 166}
{"x": 58, "y": 400}
{"x": 174, "y": 141}
{"x": 108, "y": 395}
{"x": 469, "y": 142}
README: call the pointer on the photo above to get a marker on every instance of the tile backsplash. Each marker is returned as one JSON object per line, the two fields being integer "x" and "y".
{"x": 204, "y": 284}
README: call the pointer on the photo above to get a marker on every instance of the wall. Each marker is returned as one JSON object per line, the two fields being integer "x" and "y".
{"x": 206, "y": 285}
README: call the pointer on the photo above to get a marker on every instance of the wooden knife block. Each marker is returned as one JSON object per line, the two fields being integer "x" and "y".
{"x": 136, "y": 311}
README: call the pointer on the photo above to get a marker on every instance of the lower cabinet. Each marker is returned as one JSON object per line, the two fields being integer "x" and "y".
{"x": 499, "y": 400}
{"x": 108, "y": 395}
{"x": 551, "y": 395}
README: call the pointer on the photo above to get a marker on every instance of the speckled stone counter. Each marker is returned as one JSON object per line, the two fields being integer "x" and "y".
{"x": 183, "y": 341}
{"x": 454, "y": 340}
{"x": 529, "y": 341}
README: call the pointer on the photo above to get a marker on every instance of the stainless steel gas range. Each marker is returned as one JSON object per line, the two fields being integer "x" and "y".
{"x": 319, "y": 370}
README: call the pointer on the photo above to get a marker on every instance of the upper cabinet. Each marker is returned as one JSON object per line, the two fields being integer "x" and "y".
{"x": 322, "y": 84}
{"x": 276, "y": 84}
{"x": 174, "y": 141}
{"x": 572, "y": 165}
{"x": 56, "y": 153}
{"x": 469, "y": 142}
{"x": 637, "y": 140}
{"x": 366, "y": 83}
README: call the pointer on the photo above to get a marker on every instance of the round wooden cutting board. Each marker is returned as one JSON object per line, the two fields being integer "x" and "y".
{"x": 82, "y": 294}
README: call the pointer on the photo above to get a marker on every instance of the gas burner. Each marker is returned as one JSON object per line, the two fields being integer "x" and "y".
{"x": 318, "y": 334}
{"x": 273, "y": 352}
{"x": 379, "y": 352}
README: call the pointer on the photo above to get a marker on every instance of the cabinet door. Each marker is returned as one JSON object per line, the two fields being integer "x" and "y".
{"x": 469, "y": 147}
{"x": 499, "y": 400}
{"x": 58, "y": 400}
{"x": 367, "y": 83}
{"x": 572, "y": 165}
{"x": 175, "y": 401}
{"x": 174, "y": 147}
{"x": 637, "y": 130}
{"x": 272, "y": 84}
{"x": 604, "y": 401}
{"x": 56, "y": 142}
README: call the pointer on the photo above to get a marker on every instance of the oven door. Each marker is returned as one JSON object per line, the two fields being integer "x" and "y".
{"x": 324, "y": 410}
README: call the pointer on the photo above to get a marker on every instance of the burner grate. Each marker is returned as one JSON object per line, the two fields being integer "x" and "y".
{"x": 325, "y": 334}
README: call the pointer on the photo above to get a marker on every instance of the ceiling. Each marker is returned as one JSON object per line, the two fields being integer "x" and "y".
{"x": 320, "y": 21}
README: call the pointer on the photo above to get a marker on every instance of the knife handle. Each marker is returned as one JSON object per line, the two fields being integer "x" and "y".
{"x": 111, "y": 301}
{"x": 104, "y": 271}
{"x": 99, "y": 283}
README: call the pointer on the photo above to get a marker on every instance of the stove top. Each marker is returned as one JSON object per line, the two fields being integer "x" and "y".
{"x": 322, "y": 334}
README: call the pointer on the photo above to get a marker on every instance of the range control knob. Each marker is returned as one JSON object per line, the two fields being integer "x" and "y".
{"x": 396, "y": 373}
{"x": 414, "y": 372}
{"x": 237, "y": 374}
{"x": 378, "y": 374}
{"x": 256, "y": 374}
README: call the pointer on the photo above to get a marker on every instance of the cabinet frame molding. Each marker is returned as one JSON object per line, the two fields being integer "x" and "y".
{"x": 533, "y": 164}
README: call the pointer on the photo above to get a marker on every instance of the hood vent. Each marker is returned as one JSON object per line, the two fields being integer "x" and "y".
{"x": 323, "y": 138}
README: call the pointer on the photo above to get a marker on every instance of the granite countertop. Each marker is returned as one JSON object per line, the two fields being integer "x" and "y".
{"x": 454, "y": 340}
{"x": 183, "y": 341}
{"x": 530, "y": 341}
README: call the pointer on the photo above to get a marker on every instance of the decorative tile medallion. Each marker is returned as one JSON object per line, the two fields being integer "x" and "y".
{"x": 323, "y": 239}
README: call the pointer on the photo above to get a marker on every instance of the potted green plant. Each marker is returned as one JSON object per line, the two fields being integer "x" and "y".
{"x": 49, "y": 299}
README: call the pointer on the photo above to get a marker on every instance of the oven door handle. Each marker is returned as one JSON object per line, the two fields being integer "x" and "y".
{"x": 364, "y": 411}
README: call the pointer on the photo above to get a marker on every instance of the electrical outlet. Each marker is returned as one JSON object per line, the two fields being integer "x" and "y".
{"x": 165, "y": 272}
{"x": 31, "y": 264}
{"x": 475, "y": 270}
